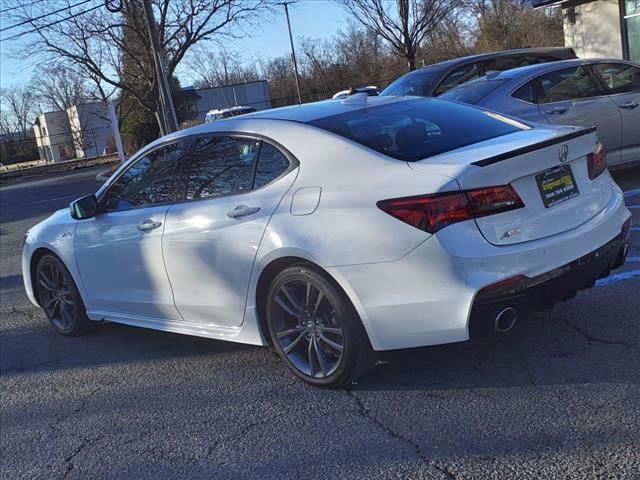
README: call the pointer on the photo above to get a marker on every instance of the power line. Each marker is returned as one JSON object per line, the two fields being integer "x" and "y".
{"x": 25, "y": 5}
{"x": 69, "y": 7}
{"x": 37, "y": 29}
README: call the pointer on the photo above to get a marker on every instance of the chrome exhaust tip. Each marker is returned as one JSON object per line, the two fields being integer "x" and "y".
{"x": 505, "y": 320}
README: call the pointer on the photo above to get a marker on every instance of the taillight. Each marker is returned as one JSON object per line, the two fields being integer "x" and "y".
{"x": 596, "y": 161}
{"x": 492, "y": 200}
{"x": 434, "y": 212}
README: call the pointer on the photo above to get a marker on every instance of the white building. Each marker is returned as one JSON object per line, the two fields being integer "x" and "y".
{"x": 53, "y": 136}
{"x": 81, "y": 131}
{"x": 90, "y": 129}
{"x": 84, "y": 131}
{"x": 600, "y": 28}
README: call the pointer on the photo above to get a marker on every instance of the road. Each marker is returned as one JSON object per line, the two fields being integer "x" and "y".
{"x": 558, "y": 397}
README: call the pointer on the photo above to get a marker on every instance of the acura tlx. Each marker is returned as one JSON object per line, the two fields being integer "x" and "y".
{"x": 334, "y": 230}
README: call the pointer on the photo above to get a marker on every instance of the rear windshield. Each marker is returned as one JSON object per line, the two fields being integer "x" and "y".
{"x": 419, "y": 128}
{"x": 472, "y": 92}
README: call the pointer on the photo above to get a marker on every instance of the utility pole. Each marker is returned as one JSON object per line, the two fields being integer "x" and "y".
{"x": 168, "y": 113}
{"x": 293, "y": 53}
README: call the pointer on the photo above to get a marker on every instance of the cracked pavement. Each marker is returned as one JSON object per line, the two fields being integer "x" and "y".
{"x": 558, "y": 397}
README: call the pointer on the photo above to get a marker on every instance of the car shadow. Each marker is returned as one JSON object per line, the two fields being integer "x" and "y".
{"x": 10, "y": 283}
{"x": 32, "y": 348}
{"x": 557, "y": 347}
{"x": 564, "y": 346}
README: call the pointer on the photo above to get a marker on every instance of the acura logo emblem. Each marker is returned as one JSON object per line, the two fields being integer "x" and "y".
{"x": 564, "y": 153}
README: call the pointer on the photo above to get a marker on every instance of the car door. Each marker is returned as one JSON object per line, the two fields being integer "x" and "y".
{"x": 210, "y": 241}
{"x": 572, "y": 96}
{"x": 622, "y": 82}
{"x": 119, "y": 251}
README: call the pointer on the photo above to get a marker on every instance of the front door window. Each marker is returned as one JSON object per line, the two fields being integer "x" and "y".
{"x": 149, "y": 181}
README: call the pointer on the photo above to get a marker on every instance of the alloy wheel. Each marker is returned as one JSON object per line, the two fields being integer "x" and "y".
{"x": 57, "y": 297}
{"x": 307, "y": 328}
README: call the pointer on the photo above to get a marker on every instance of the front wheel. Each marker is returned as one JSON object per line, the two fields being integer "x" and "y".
{"x": 315, "y": 329}
{"x": 59, "y": 297}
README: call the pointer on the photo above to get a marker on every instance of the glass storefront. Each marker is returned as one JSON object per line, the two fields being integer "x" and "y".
{"x": 632, "y": 27}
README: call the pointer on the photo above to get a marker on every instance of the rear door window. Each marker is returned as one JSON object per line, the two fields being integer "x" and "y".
{"x": 567, "y": 84}
{"x": 221, "y": 165}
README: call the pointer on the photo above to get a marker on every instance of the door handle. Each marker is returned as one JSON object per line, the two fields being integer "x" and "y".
{"x": 557, "y": 110}
{"x": 629, "y": 105}
{"x": 148, "y": 225}
{"x": 242, "y": 211}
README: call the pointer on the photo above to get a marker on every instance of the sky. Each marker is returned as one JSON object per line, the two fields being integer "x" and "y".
{"x": 309, "y": 18}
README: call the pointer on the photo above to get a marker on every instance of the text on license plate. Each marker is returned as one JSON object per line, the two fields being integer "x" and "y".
{"x": 557, "y": 185}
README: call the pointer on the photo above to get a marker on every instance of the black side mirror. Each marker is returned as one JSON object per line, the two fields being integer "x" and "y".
{"x": 85, "y": 207}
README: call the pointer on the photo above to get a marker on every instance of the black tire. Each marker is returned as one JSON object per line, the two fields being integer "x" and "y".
{"x": 59, "y": 297}
{"x": 304, "y": 313}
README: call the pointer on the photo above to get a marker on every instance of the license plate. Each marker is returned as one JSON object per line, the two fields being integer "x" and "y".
{"x": 557, "y": 185}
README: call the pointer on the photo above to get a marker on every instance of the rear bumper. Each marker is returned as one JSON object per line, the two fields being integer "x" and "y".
{"x": 543, "y": 291}
{"x": 430, "y": 296}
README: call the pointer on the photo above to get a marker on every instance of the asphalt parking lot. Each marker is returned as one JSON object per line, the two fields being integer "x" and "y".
{"x": 558, "y": 397}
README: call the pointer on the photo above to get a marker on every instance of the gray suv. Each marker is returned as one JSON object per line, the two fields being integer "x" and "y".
{"x": 435, "y": 79}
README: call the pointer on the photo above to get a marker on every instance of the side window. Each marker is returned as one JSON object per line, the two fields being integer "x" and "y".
{"x": 271, "y": 164}
{"x": 457, "y": 77}
{"x": 505, "y": 63}
{"x": 534, "y": 59}
{"x": 149, "y": 181}
{"x": 566, "y": 84}
{"x": 221, "y": 166}
{"x": 618, "y": 77}
{"x": 527, "y": 92}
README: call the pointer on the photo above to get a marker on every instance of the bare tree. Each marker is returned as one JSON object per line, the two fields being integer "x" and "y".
{"x": 214, "y": 68}
{"x": 404, "y": 24}
{"x": 98, "y": 42}
{"x": 17, "y": 111}
{"x": 508, "y": 24}
{"x": 453, "y": 37}
{"x": 58, "y": 86}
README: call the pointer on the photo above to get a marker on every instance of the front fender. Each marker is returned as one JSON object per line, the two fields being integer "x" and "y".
{"x": 54, "y": 235}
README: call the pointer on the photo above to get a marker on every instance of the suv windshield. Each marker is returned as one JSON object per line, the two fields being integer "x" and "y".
{"x": 415, "y": 129}
{"x": 416, "y": 84}
{"x": 472, "y": 92}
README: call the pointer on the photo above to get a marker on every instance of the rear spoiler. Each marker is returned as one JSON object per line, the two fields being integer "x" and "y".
{"x": 534, "y": 146}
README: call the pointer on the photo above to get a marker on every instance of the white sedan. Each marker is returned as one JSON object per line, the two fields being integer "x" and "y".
{"x": 333, "y": 230}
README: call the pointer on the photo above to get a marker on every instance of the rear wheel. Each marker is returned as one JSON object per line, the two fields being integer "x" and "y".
{"x": 315, "y": 329}
{"x": 59, "y": 297}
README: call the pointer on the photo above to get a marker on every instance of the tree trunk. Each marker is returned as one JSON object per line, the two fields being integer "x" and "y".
{"x": 410, "y": 55}
{"x": 158, "y": 116}
{"x": 411, "y": 61}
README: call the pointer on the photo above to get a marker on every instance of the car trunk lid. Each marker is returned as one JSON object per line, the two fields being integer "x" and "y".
{"x": 553, "y": 161}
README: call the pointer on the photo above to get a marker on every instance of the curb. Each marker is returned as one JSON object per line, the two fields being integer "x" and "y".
{"x": 57, "y": 168}
{"x": 103, "y": 176}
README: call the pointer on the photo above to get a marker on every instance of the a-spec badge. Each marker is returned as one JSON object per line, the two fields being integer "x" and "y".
{"x": 511, "y": 233}
{"x": 564, "y": 153}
